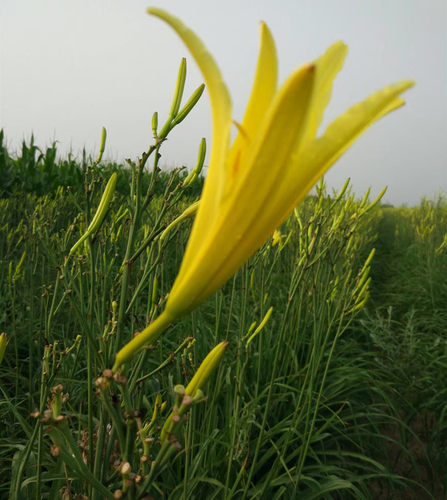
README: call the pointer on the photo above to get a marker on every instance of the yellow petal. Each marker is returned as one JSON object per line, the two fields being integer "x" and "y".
{"x": 262, "y": 93}
{"x": 232, "y": 239}
{"x": 328, "y": 65}
{"x": 315, "y": 160}
{"x": 221, "y": 115}
{"x": 264, "y": 85}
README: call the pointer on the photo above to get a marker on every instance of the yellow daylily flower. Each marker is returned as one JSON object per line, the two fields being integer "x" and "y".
{"x": 276, "y": 158}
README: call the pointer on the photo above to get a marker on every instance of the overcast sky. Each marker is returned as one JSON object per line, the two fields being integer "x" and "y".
{"x": 69, "y": 67}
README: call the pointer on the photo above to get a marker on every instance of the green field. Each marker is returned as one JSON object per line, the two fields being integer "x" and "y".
{"x": 341, "y": 393}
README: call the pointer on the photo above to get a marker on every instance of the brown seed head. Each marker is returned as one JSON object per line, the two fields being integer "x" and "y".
{"x": 55, "y": 450}
{"x": 125, "y": 468}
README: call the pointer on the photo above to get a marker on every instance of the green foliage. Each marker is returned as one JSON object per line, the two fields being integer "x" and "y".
{"x": 36, "y": 171}
{"x": 42, "y": 172}
{"x": 318, "y": 396}
{"x": 318, "y": 402}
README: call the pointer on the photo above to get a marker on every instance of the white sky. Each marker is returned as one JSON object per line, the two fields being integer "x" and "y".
{"x": 69, "y": 67}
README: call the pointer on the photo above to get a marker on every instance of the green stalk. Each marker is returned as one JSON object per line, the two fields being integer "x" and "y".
{"x": 136, "y": 189}
{"x": 42, "y": 402}
{"x": 16, "y": 481}
{"x": 90, "y": 370}
{"x": 293, "y": 289}
{"x": 116, "y": 420}
{"x": 97, "y": 469}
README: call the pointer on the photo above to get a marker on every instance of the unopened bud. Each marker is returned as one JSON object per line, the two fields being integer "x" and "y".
{"x": 154, "y": 291}
{"x": 179, "y": 390}
{"x": 102, "y": 144}
{"x": 261, "y": 325}
{"x": 188, "y": 212}
{"x": 178, "y": 93}
{"x": 192, "y": 101}
{"x": 155, "y": 124}
{"x": 3, "y": 344}
{"x": 101, "y": 211}
{"x": 199, "y": 165}
{"x": 206, "y": 369}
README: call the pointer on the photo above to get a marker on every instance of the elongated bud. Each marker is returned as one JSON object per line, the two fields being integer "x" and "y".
{"x": 154, "y": 291}
{"x": 158, "y": 399}
{"x": 199, "y": 165}
{"x": 193, "y": 392}
{"x": 155, "y": 124}
{"x": 376, "y": 201}
{"x": 192, "y": 101}
{"x": 343, "y": 190}
{"x": 364, "y": 290}
{"x": 180, "y": 86}
{"x": 101, "y": 211}
{"x": 442, "y": 246}
{"x": 261, "y": 326}
{"x": 359, "y": 305}
{"x": 206, "y": 369}
{"x": 18, "y": 268}
{"x": 368, "y": 260}
{"x": 3, "y": 344}
{"x": 365, "y": 198}
{"x": 75, "y": 345}
{"x": 10, "y": 272}
{"x": 189, "y": 212}
{"x": 102, "y": 144}
{"x": 176, "y": 101}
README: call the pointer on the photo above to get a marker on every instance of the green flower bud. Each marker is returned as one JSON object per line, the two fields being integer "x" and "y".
{"x": 176, "y": 101}
{"x": 180, "y": 86}
{"x": 98, "y": 218}
{"x": 199, "y": 165}
{"x": 102, "y": 144}
{"x": 206, "y": 369}
{"x": 3, "y": 344}
{"x": 188, "y": 212}
{"x": 192, "y": 101}
{"x": 155, "y": 124}
{"x": 261, "y": 326}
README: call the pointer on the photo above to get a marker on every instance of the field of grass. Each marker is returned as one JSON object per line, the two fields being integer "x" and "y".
{"x": 332, "y": 385}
